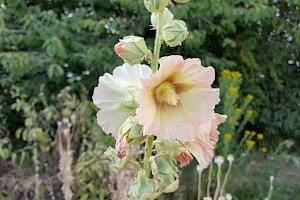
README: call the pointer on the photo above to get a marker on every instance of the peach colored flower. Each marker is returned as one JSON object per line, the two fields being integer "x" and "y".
{"x": 115, "y": 96}
{"x": 202, "y": 145}
{"x": 175, "y": 100}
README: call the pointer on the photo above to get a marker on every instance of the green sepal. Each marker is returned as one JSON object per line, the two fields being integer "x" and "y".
{"x": 142, "y": 186}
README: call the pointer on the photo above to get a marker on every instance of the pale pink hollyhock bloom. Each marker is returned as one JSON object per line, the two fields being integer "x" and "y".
{"x": 201, "y": 146}
{"x": 175, "y": 100}
{"x": 115, "y": 96}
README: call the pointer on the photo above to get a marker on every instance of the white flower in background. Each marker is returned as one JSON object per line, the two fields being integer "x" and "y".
{"x": 219, "y": 160}
{"x": 230, "y": 158}
{"x": 228, "y": 196}
{"x": 115, "y": 96}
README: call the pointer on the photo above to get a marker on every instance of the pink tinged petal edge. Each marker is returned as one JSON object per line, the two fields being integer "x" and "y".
{"x": 202, "y": 150}
{"x": 214, "y": 133}
{"x": 111, "y": 120}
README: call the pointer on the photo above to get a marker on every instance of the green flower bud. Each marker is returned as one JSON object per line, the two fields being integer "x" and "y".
{"x": 181, "y": 1}
{"x": 142, "y": 187}
{"x": 132, "y": 49}
{"x": 167, "y": 16}
{"x": 156, "y": 5}
{"x": 174, "y": 33}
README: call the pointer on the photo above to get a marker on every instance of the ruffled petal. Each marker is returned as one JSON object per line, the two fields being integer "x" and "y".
{"x": 111, "y": 120}
{"x": 202, "y": 150}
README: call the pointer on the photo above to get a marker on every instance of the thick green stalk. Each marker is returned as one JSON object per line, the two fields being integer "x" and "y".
{"x": 154, "y": 65}
{"x": 148, "y": 153}
{"x": 158, "y": 42}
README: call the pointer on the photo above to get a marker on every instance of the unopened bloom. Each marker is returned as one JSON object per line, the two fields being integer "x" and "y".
{"x": 132, "y": 49}
{"x": 230, "y": 158}
{"x": 166, "y": 17}
{"x": 175, "y": 100}
{"x": 228, "y": 196}
{"x": 115, "y": 96}
{"x": 219, "y": 160}
{"x": 199, "y": 169}
{"x": 156, "y": 5}
{"x": 174, "y": 32}
{"x": 202, "y": 145}
{"x": 121, "y": 147}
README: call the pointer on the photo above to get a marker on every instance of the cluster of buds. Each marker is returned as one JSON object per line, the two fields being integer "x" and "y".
{"x": 133, "y": 49}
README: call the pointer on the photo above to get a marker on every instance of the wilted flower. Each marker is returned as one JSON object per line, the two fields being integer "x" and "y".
{"x": 174, "y": 32}
{"x": 202, "y": 145}
{"x": 115, "y": 96}
{"x": 184, "y": 157}
{"x": 175, "y": 100}
{"x": 132, "y": 49}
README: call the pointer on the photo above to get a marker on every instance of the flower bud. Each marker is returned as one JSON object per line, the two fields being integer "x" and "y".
{"x": 181, "y": 1}
{"x": 167, "y": 16}
{"x": 174, "y": 32}
{"x": 132, "y": 49}
{"x": 219, "y": 160}
{"x": 121, "y": 147}
{"x": 199, "y": 169}
{"x": 230, "y": 158}
{"x": 228, "y": 196}
{"x": 156, "y": 5}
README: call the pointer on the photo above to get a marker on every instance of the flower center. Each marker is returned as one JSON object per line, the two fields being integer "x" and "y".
{"x": 165, "y": 92}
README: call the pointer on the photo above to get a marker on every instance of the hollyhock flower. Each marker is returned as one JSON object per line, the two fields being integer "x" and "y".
{"x": 115, "y": 96}
{"x": 175, "y": 100}
{"x": 202, "y": 145}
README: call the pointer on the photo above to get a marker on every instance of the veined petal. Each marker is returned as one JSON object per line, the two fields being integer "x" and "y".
{"x": 110, "y": 92}
{"x": 200, "y": 102}
{"x": 111, "y": 119}
{"x": 131, "y": 75}
{"x": 202, "y": 150}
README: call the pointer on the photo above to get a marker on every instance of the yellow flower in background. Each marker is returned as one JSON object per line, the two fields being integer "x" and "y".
{"x": 238, "y": 110}
{"x": 215, "y": 146}
{"x": 227, "y": 136}
{"x": 247, "y": 132}
{"x": 236, "y": 74}
{"x": 252, "y": 133}
{"x": 250, "y": 143}
{"x": 260, "y": 136}
{"x": 250, "y": 96}
{"x": 252, "y": 162}
{"x": 226, "y": 71}
{"x": 250, "y": 112}
{"x": 233, "y": 90}
{"x": 264, "y": 150}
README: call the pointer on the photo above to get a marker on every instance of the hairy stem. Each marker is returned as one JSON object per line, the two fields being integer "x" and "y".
{"x": 154, "y": 65}
{"x": 148, "y": 153}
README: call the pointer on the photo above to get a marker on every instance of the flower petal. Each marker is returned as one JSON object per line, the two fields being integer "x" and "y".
{"x": 131, "y": 75}
{"x": 109, "y": 92}
{"x": 202, "y": 150}
{"x": 112, "y": 119}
